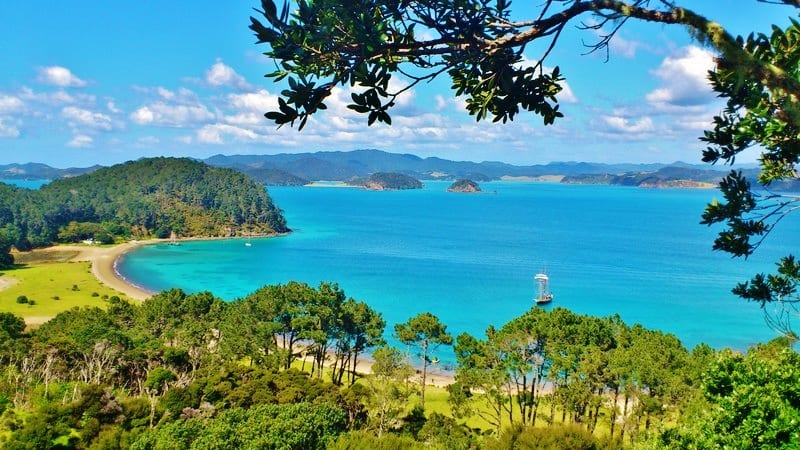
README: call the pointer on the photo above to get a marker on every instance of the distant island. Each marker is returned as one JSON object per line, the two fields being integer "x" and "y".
{"x": 387, "y": 181}
{"x": 303, "y": 168}
{"x": 465, "y": 186}
{"x": 152, "y": 197}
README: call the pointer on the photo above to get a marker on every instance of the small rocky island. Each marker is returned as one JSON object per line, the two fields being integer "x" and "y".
{"x": 387, "y": 181}
{"x": 464, "y": 185}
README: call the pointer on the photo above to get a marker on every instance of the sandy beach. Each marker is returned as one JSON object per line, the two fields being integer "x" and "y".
{"x": 103, "y": 260}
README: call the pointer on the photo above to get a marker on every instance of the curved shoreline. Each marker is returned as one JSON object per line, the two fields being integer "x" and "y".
{"x": 105, "y": 270}
{"x": 104, "y": 264}
{"x": 104, "y": 260}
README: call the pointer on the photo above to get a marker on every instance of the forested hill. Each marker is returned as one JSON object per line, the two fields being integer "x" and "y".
{"x": 385, "y": 181}
{"x": 144, "y": 198}
{"x": 301, "y": 168}
{"x": 343, "y": 166}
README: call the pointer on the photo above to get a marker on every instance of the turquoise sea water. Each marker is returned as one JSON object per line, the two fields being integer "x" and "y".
{"x": 27, "y": 184}
{"x": 470, "y": 259}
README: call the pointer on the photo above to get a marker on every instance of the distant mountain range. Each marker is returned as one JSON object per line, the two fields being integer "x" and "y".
{"x": 289, "y": 169}
{"x": 38, "y": 171}
{"x": 343, "y": 166}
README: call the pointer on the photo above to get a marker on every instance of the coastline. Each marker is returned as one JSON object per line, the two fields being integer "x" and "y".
{"x": 104, "y": 267}
{"x": 104, "y": 264}
{"x": 104, "y": 260}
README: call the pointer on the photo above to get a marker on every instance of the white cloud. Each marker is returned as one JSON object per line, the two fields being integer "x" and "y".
{"x": 566, "y": 95}
{"x": 56, "y": 98}
{"x": 623, "y": 125}
{"x": 112, "y": 107}
{"x": 215, "y": 134}
{"x": 260, "y": 100}
{"x": 223, "y": 75}
{"x": 623, "y": 47}
{"x": 81, "y": 141}
{"x": 9, "y": 104}
{"x": 84, "y": 117}
{"x": 143, "y": 116}
{"x": 59, "y": 76}
{"x": 619, "y": 128}
{"x": 170, "y": 115}
{"x": 441, "y": 103}
{"x": 7, "y": 130}
{"x": 684, "y": 79}
{"x": 165, "y": 93}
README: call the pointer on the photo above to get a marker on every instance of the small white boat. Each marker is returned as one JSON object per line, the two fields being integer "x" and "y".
{"x": 545, "y": 296}
{"x": 247, "y": 244}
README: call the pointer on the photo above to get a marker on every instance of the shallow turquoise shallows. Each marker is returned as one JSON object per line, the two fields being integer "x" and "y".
{"x": 471, "y": 258}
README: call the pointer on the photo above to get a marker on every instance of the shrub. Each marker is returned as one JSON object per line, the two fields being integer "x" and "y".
{"x": 22, "y": 299}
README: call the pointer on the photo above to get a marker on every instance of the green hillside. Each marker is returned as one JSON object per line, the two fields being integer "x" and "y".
{"x": 145, "y": 198}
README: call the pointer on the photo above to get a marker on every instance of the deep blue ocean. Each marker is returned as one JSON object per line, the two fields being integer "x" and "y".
{"x": 470, "y": 258}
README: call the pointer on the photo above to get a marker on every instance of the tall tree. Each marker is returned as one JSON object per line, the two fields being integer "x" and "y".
{"x": 754, "y": 402}
{"x": 479, "y": 45}
{"x": 427, "y": 333}
{"x": 387, "y": 400}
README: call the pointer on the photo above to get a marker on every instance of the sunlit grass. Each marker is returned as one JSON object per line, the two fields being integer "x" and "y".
{"x": 54, "y": 287}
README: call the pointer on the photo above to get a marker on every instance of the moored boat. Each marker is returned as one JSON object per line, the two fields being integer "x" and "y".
{"x": 545, "y": 296}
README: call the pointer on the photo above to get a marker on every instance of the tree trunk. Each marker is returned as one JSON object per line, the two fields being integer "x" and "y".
{"x": 424, "y": 372}
{"x": 535, "y": 401}
{"x": 614, "y": 410}
{"x": 624, "y": 417}
{"x": 597, "y": 410}
{"x": 353, "y": 368}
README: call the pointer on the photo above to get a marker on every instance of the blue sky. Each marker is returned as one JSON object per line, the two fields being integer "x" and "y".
{"x": 86, "y": 82}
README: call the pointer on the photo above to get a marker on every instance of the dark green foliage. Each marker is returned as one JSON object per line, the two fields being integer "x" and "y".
{"x": 388, "y": 181}
{"x": 414, "y": 421}
{"x": 13, "y": 342}
{"x": 11, "y": 326}
{"x": 8, "y": 236}
{"x": 142, "y": 198}
{"x": 585, "y": 361}
{"x": 160, "y": 375}
{"x": 558, "y": 437}
{"x": 295, "y": 426}
{"x": 754, "y": 402}
{"x": 464, "y": 185}
{"x": 94, "y": 411}
{"x": 360, "y": 440}
{"x": 322, "y": 45}
{"x": 445, "y": 433}
{"x": 425, "y": 332}
{"x": 295, "y": 311}
{"x": 361, "y": 44}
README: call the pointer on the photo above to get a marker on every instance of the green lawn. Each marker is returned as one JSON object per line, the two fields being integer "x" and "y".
{"x": 54, "y": 287}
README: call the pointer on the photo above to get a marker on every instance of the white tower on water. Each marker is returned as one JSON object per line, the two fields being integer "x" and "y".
{"x": 545, "y": 296}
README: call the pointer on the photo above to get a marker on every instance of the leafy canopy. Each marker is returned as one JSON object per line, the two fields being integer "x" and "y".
{"x": 318, "y": 45}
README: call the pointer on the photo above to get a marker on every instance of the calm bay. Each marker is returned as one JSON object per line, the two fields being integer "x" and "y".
{"x": 470, "y": 258}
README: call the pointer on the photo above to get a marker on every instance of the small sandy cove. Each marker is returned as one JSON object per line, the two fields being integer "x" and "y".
{"x": 104, "y": 259}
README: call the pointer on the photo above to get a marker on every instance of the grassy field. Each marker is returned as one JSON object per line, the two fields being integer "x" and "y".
{"x": 53, "y": 285}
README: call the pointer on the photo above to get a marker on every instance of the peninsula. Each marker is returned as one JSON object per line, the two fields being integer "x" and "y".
{"x": 138, "y": 200}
